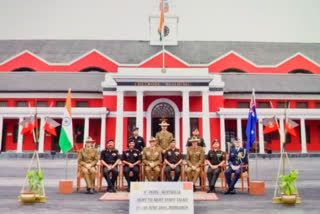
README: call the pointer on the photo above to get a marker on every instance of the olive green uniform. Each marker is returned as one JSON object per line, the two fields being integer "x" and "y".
{"x": 153, "y": 157}
{"x": 88, "y": 156}
{"x": 195, "y": 157}
{"x": 163, "y": 139}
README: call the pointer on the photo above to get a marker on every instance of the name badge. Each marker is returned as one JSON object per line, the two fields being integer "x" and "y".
{"x": 114, "y": 154}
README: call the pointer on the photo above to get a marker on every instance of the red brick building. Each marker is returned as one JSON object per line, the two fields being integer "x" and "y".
{"x": 119, "y": 84}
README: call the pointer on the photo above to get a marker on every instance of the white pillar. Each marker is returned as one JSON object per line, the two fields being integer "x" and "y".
{"x": 239, "y": 129}
{"x": 139, "y": 115}
{"x": 1, "y": 127}
{"x": 222, "y": 134}
{"x": 41, "y": 136}
{"x": 86, "y": 130}
{"x": 185, "y": 120}
{"x": 20, "y": 137}
{"x": 261, "y": 137}
{"x": 119, "y": 122}
{"x": 282, "y": 135}
{"x": 303, "y": 136}
{"x": 103, "y": 133}
{"x": 205, "y": 119}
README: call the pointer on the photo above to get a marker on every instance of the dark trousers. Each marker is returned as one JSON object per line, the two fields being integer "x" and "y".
{"x": 134, "y": 170}
{"x": 177, "y": 171}
{"x": 213, "y": 175}
{"x": 232, "y": 182}
{"x": 110, "y": 176}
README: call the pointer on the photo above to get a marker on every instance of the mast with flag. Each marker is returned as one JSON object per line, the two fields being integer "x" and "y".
{"x": 66, "y": 137}
{"x": 163, "y": 9}
{"x": 251, "y": 124}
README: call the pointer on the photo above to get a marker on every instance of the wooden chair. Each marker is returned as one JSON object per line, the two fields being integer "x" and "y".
{"x": 202, "y": 182}
{"x": 80, "y": 176}
{"x": 101, "y": 177}
{"x": 172, "y": 173}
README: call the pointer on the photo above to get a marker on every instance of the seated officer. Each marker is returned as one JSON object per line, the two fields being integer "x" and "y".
{"x": 110, "y": 160}
{"x": 172, "y": 159}
{"x": 152, "y": 157}
{"x": 195, "y": 157}
{"x": 215, "y": 160}
{"x": 237, "y": 158}
{"x": 87, "y": 160}
{"x": 131, "y": 159}
{"x": 138, "y": 140}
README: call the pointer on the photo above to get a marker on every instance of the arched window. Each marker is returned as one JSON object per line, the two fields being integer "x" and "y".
{"x": 300, "y": 71}
{"x": 93, "y": 69}
{"x": 27, "y": 69}
{"x": 233, "y": 70}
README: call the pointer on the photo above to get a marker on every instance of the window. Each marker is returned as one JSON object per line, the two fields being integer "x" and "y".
{"x": 42, "y": 104}
{"x": 230, "y": 135}
{"x": 263, "y": 105}
{"x": 233, "y": 70}
{"x": 194, "y": 123}
{"x": 60, "y": 103}
{"x": 79, "y": 133}
{"x": 288, "y": 138}
{"x": 93, "y": 69}
{"x": 23, "y": 69}
{"x": 282, "y": 104}
{"x": 317, "y": 104}
{"x": 243, "y": 105}
{"x": 302, "y": 105}
{"x": 3, "y": 103}
{"x": 131, "y": 124}
{"x": 300, "y": 71}
{"x": 21, "y": 104}
{"x": 83, "y": 104}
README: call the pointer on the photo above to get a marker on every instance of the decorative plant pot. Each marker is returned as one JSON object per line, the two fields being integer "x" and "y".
{"x": 289, "y": 199}
{"x": 257, "y": 188}
{"x": 65, "y": 187}
{"x": 27, "y": 197}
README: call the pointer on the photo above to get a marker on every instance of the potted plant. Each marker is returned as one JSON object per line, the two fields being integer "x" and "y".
{"x": 35, "y": 179}
{"x": 288, "y": 187}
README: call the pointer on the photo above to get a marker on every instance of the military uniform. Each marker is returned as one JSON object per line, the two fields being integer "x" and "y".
{"x": 215, "y": 158}
{"x": 110, "y": 157}
{"x": 237, "y": 157}
{"x": 195, "y": 157}
{"x": 88, "y": 156}
{"x": 201, "y": 142}
{"x": 172, "y": 156}
{"x": 139, "y": 142}
{"x": 131, "y": 156}
{"x": 152, "y": 156}
{"x": 163, "y": 139}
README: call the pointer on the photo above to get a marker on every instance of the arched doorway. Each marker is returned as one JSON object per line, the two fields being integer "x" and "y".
{"x": 159, "y": 112}
{"x": 163, "y": 108}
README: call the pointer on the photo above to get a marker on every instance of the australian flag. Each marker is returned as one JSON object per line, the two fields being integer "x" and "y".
{"x": 251, "y": 124}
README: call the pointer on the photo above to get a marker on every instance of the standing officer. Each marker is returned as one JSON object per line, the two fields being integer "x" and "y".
{"x": 195, "y": 157}
{"x": 237, "y": 158}
{"x": 110, "y": 161}
{"x": 195, "y": 133}
{"x": 152, "y": 158}
{"x": 131, "y": 159}
{"x": 172, "y": 159}
{"x": 215, "y": 161}
{"x": 87, "y": 160}
{"x": 138, "y": 140}
{"x": 164, "y": 137}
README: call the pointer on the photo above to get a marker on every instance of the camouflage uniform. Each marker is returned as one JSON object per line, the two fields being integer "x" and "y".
{"x": 88, "y": 156}
{"x": 195, "y": 157}
{"x": 154, "y": 156}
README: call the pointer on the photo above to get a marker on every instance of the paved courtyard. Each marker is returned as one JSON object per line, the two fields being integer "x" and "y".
{"x": 12, "y": 172}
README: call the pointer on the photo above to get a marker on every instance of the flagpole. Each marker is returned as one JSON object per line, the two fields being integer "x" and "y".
{"x": 163, "y": 55}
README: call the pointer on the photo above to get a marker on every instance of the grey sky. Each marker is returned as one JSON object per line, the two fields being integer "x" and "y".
{"x": 227, "y": 20}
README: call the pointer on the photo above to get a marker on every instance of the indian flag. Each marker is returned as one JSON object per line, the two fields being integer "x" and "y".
{"x": 160, "y": 29}
{"x": 66, "y": 139}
